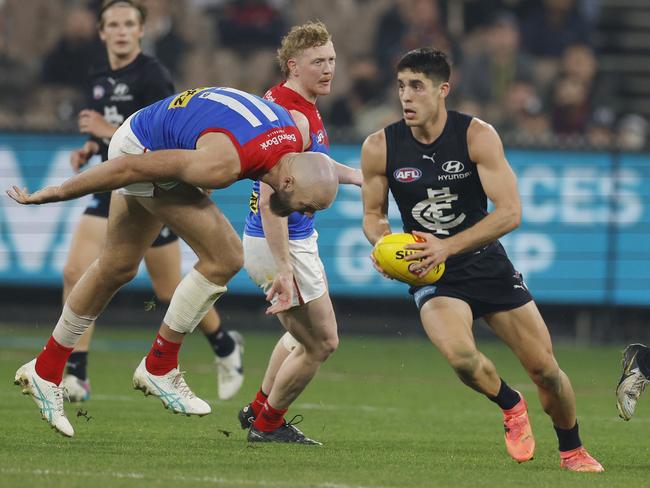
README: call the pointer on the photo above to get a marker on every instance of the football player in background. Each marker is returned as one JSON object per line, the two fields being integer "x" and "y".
{"x": 461, "y": 164}
{"x": 131, "y": 80}
{"x": 285, "y": 250}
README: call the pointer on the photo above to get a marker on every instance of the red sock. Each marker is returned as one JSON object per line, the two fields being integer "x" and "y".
{"x": 258, "y": 402}
{"x": 50, "y": 363}
{"x": 269, "y": 418}
{"x": 163, "y": 356}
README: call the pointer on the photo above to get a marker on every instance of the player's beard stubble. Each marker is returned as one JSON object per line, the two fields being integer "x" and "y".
{"x": 280, "y": 205}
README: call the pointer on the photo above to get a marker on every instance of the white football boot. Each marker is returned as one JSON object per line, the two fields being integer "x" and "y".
{"x": 47, "y": 395}
{"x": 171, "y": 389}
{"x": 76, "y": 390}
{"x": 631, "y": 384}
{"x": 230, "y": 373}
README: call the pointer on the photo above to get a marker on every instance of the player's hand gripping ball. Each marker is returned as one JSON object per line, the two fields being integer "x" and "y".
{"x": 391, "y": 256}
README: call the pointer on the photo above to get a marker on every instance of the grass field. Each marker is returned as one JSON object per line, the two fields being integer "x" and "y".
{"x": 389, "y": 411}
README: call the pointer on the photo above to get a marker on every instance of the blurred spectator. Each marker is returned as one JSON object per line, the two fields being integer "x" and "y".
{"x": 526, "y": 121}
{"x": 246, "y": 25}
{"x": 579, "y": 97}
{"x": 570, "y": 106}
{"x": 600, "y": 130}
{"x": 409, "y": 24}
{"x": 162, "y": 38}
{"x": 549, "y": 29}
{"x": 579, "y": 62}
{"x": 15, "y": 77}
{"x": 632, "y": 133}
{"x": 365, "y": 107}
{"x": 488, "y": 76}
{"x": 69, "y": 62}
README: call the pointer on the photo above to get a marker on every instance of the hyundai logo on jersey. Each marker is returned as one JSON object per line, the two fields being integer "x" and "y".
{"x": 453, "y": 167}
{"x": 407, "y": 175}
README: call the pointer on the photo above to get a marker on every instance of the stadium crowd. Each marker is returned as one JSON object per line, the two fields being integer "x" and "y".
{"x": 531, "y": 67}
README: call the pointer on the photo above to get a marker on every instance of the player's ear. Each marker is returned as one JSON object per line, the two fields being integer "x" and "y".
{"x": 293, "y": 67}
{"x": 288, "y": 183}
{"x": 444, "y": 89}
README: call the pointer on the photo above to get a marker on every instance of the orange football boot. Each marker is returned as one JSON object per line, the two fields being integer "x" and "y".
{"x": 579, "y": 460}
{"x": 520, "y": 442}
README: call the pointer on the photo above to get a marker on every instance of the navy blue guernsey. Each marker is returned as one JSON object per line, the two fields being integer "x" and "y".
{"x": 436, "y": 186}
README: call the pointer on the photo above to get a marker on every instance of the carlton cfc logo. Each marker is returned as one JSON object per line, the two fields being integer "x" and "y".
{"x": 407, "y": 175}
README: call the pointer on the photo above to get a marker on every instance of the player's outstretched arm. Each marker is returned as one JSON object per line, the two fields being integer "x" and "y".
{"x": 276, "y": 232}
{"x": 346, "y": 174}
{"x": 113, "y": 174}
{"x": 375, "y": 187}
{"x": 200, "y": 167}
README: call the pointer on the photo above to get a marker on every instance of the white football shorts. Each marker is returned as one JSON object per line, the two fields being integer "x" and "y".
{"x": 124, "y": 141}
{"x": 308, "y": 272}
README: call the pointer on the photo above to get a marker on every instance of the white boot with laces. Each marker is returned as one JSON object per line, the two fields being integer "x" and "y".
{"x": 172, "y": 390}
{"x": 47, "y": 395}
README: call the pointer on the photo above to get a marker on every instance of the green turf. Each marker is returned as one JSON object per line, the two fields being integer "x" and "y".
{"x": 389, "y": 412}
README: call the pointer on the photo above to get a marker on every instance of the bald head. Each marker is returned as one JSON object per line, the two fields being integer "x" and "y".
{"x": 309, "y": 183}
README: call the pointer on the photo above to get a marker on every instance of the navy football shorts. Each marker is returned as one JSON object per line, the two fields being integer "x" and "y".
{"x": 484, "y": 278}
{"x": 99, "y": 208}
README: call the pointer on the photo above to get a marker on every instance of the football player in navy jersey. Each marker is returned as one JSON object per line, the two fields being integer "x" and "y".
{"x": 129, "y": 81}
{"x": 160, "y": 158}
{"x": 459, "y": 164}
{"x": 285, "y": 250}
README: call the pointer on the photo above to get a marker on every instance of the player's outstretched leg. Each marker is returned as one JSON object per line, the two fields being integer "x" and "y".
{"x": 634, "y": 379}
{"x": 47, "y": 395}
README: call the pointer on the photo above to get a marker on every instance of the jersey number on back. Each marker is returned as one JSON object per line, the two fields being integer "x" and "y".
{"x": 229, "y": 101}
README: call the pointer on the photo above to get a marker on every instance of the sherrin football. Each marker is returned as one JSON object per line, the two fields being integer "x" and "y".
{"x": 391, "y": 256}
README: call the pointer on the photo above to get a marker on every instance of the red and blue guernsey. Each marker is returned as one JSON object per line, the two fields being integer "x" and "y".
{"x": 261, "y": 131}
{"x": 300, "y": 225}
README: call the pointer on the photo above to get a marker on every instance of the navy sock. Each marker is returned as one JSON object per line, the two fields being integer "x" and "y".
{"x": 77, "y": 364}
{"x": 222, "y": 343}
{"x": 568, "y": 439}
{"x": 643, "y": 360}
{"x": 506, "y": 398}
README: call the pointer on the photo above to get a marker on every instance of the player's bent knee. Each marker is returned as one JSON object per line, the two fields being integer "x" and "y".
{"x": 465, "y": 363}
{"x": 546, "y": 376}
{"x": 71, "y": 274}
{"x": 116, "y": 272}
{"x": 326, "y": 348}
{"x": 193, "y": 298}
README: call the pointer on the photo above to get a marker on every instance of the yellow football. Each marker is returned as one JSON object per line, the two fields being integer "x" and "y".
{"x": 391, "y": 256}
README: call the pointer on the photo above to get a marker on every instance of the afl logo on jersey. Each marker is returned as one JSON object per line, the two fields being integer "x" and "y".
{"x": 407, "y": 175}
{"x": 98, "y": 92}
{"x": 453, "y": 167}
